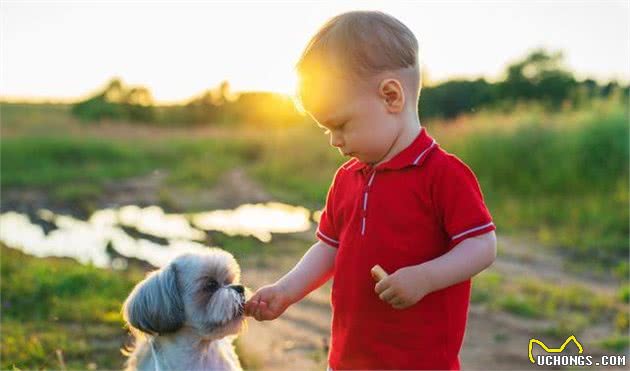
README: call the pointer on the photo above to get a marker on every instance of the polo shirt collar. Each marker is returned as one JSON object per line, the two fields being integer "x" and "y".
{"x": 413, "y": 155}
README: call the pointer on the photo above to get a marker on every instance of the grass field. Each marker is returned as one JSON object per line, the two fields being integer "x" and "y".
{"x": 58, "y": 304}
{"x": 562, "y": 177}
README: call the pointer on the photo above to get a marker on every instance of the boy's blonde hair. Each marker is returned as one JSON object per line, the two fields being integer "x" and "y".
{"x": 361, "y": 44}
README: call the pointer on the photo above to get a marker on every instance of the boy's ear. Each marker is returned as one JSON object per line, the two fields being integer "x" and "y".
{"x": 393, "y": 95}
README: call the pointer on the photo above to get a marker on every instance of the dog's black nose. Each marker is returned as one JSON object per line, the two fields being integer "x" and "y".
{"x": 238, "y": 288}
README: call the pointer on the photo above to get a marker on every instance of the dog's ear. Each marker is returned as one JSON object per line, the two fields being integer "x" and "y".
{"x": 155, "y": 306}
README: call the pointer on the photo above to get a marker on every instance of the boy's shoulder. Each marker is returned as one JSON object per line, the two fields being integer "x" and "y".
{"x": 446, "y": 170}
{"x": 442, "y": 161}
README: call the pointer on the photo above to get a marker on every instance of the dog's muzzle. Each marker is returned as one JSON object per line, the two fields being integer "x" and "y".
{"x": 241, "y": 293}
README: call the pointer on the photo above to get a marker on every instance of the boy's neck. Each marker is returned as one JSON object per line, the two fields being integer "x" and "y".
{"x": 407, "y": 135}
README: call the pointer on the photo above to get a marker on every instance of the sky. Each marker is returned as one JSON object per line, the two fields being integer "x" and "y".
{"x": 65, "y": 51}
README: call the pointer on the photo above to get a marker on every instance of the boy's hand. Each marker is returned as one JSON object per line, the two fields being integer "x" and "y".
{"x": 404, "y": 288}
{"x": 268, "y": 303}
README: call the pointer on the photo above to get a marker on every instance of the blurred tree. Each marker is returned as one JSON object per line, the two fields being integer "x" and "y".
{"x": 222, "y": 94}
{"x": 539, "y": 76}
{"x": 456, "y": 96}
{"x": 117, "y": 102}
{"x": 140, "y": 96}
{"x": 211, "y": 106}
{"x": 114, "y": 91}
{"x": 610, "y": 88}
{"x": 221, "y": 106}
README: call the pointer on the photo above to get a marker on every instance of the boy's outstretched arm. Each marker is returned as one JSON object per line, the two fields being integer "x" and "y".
{"x": 408, "y": 285}
{"x": 312, "y": 271}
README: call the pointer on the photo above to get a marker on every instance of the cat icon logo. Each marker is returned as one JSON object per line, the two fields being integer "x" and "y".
{"x": 553, "y": 350}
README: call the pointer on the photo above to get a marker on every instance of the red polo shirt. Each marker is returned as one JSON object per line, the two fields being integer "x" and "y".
{"x": 406, "y": 211}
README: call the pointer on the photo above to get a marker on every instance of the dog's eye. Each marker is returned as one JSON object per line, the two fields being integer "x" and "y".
{"x": 212, "y": 285}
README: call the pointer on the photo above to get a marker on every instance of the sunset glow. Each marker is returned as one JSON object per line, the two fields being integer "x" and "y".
{"x": 67, "y": 50}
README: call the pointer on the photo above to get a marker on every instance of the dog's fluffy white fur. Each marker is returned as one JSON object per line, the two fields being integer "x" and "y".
{"x": 186, "y": 315}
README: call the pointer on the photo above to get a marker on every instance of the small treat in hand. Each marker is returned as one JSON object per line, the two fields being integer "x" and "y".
{"x": 378, "y": 273}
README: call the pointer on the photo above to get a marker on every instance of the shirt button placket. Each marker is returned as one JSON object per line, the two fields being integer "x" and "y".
{"x": 366, "y": 192}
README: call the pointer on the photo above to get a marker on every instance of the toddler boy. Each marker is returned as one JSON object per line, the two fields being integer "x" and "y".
{"x": 401, "y": 202}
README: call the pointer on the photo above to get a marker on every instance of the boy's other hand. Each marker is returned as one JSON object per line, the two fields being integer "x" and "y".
{"x": 268, "y": 303}
{"x": 403, "y": 288}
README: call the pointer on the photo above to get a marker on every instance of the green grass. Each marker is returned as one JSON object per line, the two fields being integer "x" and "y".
{"x": 520, "y": 306}
{"x": 533, "y": 298}
{"x": 549, "y": 159}
{"x": 74, "y": 169}
{"x": 52, "y": 161}
{"x": 624, "y": 293}
{"x": 297, "y": 165}
{"x": 566, "y": 325}
{"x": 561, "y": 177}
{"x": 616, "y": 343}
{"x": 485, "y": 284}
{"x": 567, "y": 309}
{"x": 239, "y": 246}
{"x": 35, "y": 119}
{"x": 58, "y": 304}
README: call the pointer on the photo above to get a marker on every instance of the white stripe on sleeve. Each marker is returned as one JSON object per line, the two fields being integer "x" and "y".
{"x": 327, "y": 238}
{"x": 471, "y": 231}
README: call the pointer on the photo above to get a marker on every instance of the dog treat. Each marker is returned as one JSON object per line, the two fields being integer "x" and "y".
{"x": 378, "y": 273}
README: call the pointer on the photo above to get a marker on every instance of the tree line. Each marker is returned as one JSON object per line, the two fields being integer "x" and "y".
{"x": 538, "y": 77}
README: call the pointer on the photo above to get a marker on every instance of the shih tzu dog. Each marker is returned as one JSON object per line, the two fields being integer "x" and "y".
{"x": 186, "y": 315}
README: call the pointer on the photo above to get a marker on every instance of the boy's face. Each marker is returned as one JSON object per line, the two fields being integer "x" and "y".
{"x": 354, "y": 116}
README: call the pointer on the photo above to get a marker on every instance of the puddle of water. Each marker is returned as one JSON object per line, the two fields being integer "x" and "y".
{"x": 87, "y": 241}
{"x": 150, "y": 220}
{"x": 258, "y": 220}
